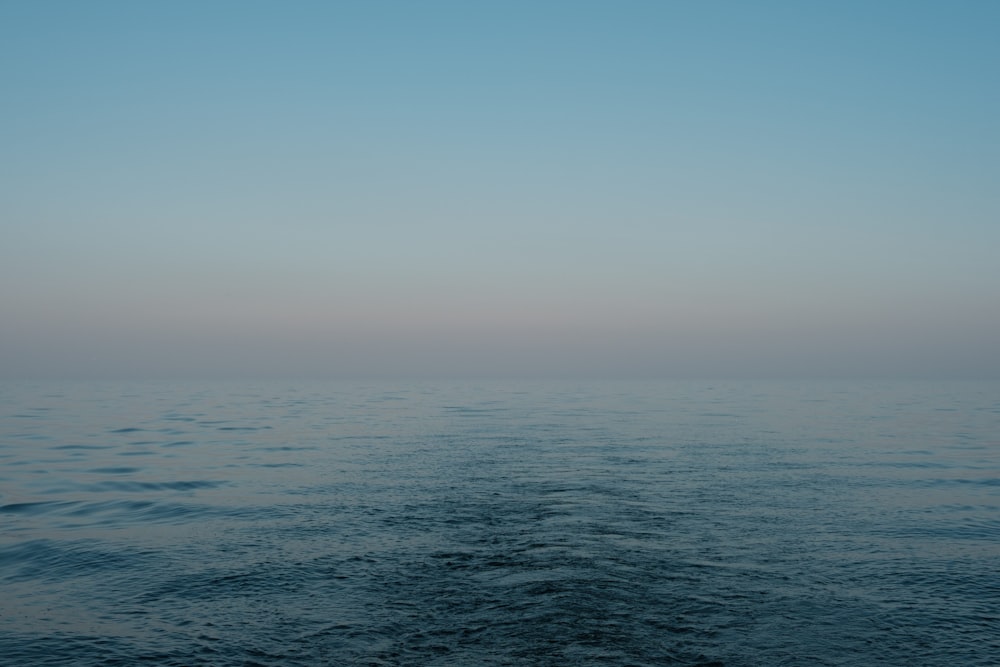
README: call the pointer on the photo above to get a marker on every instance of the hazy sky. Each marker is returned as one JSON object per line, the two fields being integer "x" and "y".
{"x": 576, "y": 188}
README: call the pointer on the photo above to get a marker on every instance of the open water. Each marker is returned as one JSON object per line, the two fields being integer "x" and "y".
{"x": 652, "y": 523}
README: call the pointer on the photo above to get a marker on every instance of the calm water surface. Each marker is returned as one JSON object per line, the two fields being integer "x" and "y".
{"x": 712, "y": 523}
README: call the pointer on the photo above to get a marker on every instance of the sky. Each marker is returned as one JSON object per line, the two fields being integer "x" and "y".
{"x": 576, "y": 188}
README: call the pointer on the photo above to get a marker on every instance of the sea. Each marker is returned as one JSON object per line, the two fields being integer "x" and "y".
{"x": 632, "y": 523}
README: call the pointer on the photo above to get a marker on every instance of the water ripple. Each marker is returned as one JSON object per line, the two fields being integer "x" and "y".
{"x": 714, "y": 524}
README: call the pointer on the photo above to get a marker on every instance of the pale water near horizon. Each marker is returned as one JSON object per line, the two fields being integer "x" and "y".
{"x": 503, "y": 523}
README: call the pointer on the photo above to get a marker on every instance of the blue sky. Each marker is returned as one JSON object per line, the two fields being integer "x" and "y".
{"x": 552, "y": 188}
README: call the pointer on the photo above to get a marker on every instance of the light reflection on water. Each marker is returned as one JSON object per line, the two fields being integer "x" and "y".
{"x": 725, "y": 523}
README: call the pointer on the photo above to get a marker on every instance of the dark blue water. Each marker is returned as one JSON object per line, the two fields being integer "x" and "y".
{"x": 681, "y": 523}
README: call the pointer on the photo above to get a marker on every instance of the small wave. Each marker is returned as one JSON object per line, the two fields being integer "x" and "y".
{"x": 41, "y": 507}
{"x": 81, "y": 447}
{"x": 466, "y": 410}
{"x": 117, "y": 512}
{"x": 287, "y": 448}
{"x": 124, "y": 512}
{"x": 45, "y": 560}
{"x": 156, "y": 486}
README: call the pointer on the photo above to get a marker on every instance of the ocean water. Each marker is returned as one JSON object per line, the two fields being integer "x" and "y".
{"x": 503, "y": 523}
